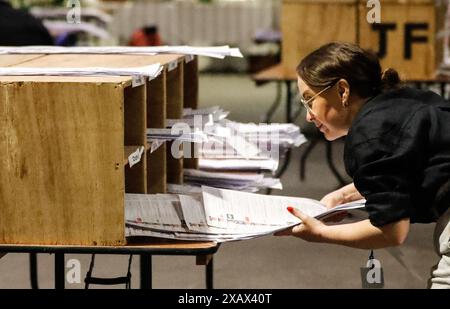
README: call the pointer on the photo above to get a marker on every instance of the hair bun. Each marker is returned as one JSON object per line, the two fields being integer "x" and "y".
{"x": 390, "y": 79}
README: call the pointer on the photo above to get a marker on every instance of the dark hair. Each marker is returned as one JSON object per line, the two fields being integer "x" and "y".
{"x": 359, "y": 67}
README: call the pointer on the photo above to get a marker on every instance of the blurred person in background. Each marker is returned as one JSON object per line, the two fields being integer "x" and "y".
{"x": 19, "y": 28}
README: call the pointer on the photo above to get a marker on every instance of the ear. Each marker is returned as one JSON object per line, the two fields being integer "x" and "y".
{"x": 344, "y": 91}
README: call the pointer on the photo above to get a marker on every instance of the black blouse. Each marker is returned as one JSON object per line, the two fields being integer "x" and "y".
{"x": 398, "y": 153}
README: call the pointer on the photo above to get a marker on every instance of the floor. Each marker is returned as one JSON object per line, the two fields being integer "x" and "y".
{"x": 269, "y": 262}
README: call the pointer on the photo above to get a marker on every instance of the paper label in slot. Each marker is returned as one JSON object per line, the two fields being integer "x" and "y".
{"x": 156, "y": 144}
{"x": 172, "y": 66}
{"x": 189, "y": 58}
{"x": 136, "y": 156}
{"x": 137, "y": 80}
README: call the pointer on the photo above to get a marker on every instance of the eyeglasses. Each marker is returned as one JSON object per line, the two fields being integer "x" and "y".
{"x": 307, "y": 103}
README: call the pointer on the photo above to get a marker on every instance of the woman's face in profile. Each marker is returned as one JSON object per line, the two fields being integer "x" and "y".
{"x": 325, "y": 108}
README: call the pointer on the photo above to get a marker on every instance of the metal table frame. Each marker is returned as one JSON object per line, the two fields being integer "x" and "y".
{"x": 145, "y": 251}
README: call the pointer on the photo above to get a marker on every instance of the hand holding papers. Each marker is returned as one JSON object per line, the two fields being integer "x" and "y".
{"x": 218, "y": 214}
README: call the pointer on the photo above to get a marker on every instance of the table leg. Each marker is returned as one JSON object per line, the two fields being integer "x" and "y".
{"x": 305, "y": 155}
{"x": 288, "y": 102}
{"x": 331, "y": 164}
{"x": 443, "y": 94}
{"x": 274, "y": 106}
{"x": 210, "y": 274}
{"x": 146, "y": 271}
{"x": 60, "y": 277}
{"x": 287, "y": 157}
{"x": 33, "y": 271}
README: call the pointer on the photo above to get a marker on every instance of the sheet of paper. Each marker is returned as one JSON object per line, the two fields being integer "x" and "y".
{"x": 214, "y": 51}
{"x": 218, "y": 214}
{"x": 150, "y": 71}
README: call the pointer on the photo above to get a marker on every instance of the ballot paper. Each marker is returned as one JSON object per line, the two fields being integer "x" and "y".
{"x": 180, "y": 135}
{"x": 199, "y": 121}
{"x": 183, "y": 189}
{"x": 218, "y": 214}
{"x": 150, "y": 71}
{"x": 215, "y": 111}
{"x": 225, "y": 208}
{"x": 213, "y": 51}
{"x": 240, "y": 164}
{"x": 247, "y": 146}
{"x": 249, "y": 182}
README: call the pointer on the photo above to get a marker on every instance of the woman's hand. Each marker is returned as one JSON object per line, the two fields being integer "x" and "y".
{"x": 333, "y": 199}
{"x": 346, "y": 194}
{"x": 310, "y": 229}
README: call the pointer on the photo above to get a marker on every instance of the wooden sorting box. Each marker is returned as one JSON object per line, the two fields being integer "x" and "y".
{"x": 406, "y": 39}
{"x": 65, "y": 143}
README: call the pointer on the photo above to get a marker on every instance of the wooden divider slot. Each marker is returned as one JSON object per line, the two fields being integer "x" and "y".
{"x": 190, "y": 94}
{"x": 156, "y": 118}
{"x": 135, "y": 108}
{"x": 175, "y": 92}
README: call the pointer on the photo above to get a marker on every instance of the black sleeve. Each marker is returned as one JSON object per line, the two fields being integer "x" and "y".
{"x": 390, "y": 167}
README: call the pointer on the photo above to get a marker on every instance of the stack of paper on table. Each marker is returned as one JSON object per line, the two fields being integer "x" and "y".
{"x": 249, "y": 182}
{"x": 210, "y": 51}
{"x": 218, "y": 214}
{"x": 231, "y": 155}
{"x": 242, "y": 146}
{"x": 150, "y": 71}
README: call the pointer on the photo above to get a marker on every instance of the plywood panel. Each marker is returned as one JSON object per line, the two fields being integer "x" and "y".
{"x": 135, "y": 117}
{"x": 307, "y": 25}
{"x": 424, "y": 59}
{"x": 191, "y": 84}
{"x": 61, "y": 161}
{"x": 109, "y": 61}
{"x": 9, "y": 60}
{"x": 191, "y": 100}
{"x": 156, "y": 171}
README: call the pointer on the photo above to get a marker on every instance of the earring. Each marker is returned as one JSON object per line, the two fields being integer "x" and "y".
{"x": 345, "y": 104}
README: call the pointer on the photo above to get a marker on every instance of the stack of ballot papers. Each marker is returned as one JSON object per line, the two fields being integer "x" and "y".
{"x": 218, "y": 214}
{"x": 150, "y": 71}
{"x": 248, "y": 146}
{"x": 219, "y": 52}
{"x": 169, "y": 135}
{"x": 231, "y": 155}
{"x": 249, "y": 182}
{"x": 233, "y": 146}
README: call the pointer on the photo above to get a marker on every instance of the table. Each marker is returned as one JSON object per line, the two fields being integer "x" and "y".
{"x": 280, "y": 74}
{"x": 202, "y": 250}
{"x": 441, "y": 80}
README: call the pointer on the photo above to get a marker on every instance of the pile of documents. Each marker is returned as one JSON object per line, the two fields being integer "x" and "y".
{"x": 219, "y": 52}
{"x": 218, "y": 215}
{"x": 150, "y": 71}
{"x": 247, "y": 146}
{"x": 230, "y": 154}
{"x": 250, "y": 182}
